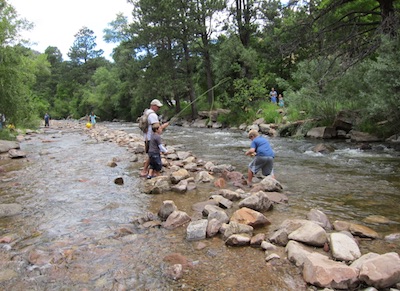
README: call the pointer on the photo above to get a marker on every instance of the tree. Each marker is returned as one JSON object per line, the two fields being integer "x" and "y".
{"x": 163, "y": 34}
{"x": 244, "y": 13}
{"x": 347, "y": 29}
{"x": 205, "y": 11}
{"x": 17, "y": 69}
{"x": 54, "y": 55}
{"x": 118, "y": 30}
{"x": 84, "y": 46}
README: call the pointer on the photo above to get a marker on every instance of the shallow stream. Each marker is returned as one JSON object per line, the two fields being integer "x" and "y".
{"x": 75, "y": 231}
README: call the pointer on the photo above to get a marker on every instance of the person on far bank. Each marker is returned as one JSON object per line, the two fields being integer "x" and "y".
{"x": 281, "y": 102}
{"x": 92, "y": 119}
{"x": 263, "y": 154}
{"x": 46, "y": 120}
{"x": 153, "y": 120}
{"x": 155, "y": 150}
{"x": 273, "y": 95}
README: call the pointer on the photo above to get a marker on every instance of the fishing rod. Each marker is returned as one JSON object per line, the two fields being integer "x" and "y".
{"x": 190, "y": 103}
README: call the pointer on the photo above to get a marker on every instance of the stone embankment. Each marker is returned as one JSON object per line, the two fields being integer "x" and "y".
{"x": 328, "y": 254}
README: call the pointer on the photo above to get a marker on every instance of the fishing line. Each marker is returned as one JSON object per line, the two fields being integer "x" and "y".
{"x": 190, "y": 103}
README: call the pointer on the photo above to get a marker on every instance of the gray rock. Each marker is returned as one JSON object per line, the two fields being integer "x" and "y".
{"x": 322, "y": 272}
{"x": 166, "y": 209}
{"x": 10, "y": 209}
{"x": 6, "y": 145}
{"x": 197, "y": 230}
{"x": 176, "y": 219}
{"x": 16, "y": 154}
{"x": 258, "y": 201}
{"x": 310, "y": 233}
{"x": 237, "y": 228}
{"x": 381, "y": 271}
{"x": 297, "y": 252}
{"x": 343, "y": 247}
{"x": 319, "y": 217}
{"x": 321, "y": 132}
{"x": 238, "y": 240}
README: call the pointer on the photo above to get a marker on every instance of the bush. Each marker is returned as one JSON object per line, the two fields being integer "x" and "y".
{"x": 381, "y": 90}
{"x": 7, "y": 134}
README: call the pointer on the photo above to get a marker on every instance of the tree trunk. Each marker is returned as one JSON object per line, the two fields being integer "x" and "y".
{"x": 243, "y": 18}
{"x": 389, "y": 22}
{"x": 208, "y": 69}
{"x": 189, "y": 78}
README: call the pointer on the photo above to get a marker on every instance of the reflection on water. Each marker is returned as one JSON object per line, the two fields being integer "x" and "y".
{"x": 77, "y": 215}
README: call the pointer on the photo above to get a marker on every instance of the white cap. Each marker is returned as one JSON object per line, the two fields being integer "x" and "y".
{"x": 156, "y": 102}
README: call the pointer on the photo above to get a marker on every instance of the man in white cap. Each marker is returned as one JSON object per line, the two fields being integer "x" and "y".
{"x": 153, "y": 120}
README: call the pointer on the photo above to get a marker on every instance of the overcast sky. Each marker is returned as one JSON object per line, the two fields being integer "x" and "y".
{"x": 56, "y": 21}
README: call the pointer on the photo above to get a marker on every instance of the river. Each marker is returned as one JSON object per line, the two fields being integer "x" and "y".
{"x": 75, "y": 232}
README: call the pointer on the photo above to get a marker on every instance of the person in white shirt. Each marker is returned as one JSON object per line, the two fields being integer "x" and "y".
{"x": 153, "y": 120}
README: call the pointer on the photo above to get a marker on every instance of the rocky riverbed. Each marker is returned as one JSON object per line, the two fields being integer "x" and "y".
{"x": 313, "y": 250}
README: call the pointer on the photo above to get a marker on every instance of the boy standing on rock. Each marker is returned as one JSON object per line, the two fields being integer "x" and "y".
{"x": 155, "y": 150}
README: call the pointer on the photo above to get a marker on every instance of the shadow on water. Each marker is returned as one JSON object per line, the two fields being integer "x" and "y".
{"x": 75, "y": 231}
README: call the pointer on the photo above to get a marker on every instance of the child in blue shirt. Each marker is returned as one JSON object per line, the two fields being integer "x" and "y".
{"x": 263, "y": 154}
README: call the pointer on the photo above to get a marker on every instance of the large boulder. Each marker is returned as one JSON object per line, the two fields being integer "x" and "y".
{"x": 343, "y": 247}
{"x": 179, "y": 175}
{"x": 310, "y": 233}
{"x": 321, "y": 132}
{"x": 6, "y": 145}
{"x": 10, "y": 209}
{"x": 196, "y": 230}
{"x": 249, "y": 217}
{"x": 236, "y": 228}
{"x": 258, "y": 201}
{"x": 166, "y": 209}
{"x": 345, "y": 120}
{"x": 322, "y": 272}
{"x": 176, "y": 219}
{"x": 358, "y": 136}
{"x": 319, "y": 217}
{"x": 268, "y": 184}
{"x": 355, "y": 229}
{"x": 379, "y": 271}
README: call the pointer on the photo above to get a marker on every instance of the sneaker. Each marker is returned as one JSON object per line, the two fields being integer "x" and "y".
{"x": 149, "y": 177}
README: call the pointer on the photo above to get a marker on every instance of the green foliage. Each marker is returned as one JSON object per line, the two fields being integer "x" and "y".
{"x": 17, "y": 68}
{"x": 316, "y": 90}
{"x": 168, "y": 53}
{"x": 101, "y": 96}
{"x": 7, "y": 134}
{"x": 250, "y": 101}
{"x": 270, "y": 112}
{"x": 84, "y": 46}
{"x": 381, "y": 90}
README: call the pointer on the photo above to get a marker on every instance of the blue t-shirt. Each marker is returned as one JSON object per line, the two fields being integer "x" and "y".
{"x": 262, "y": 146}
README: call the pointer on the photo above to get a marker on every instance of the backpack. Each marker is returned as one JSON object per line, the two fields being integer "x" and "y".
{"x": 144, "y": 121}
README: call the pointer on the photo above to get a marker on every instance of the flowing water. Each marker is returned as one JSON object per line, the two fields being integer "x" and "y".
{"x": 75, "y": 231}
